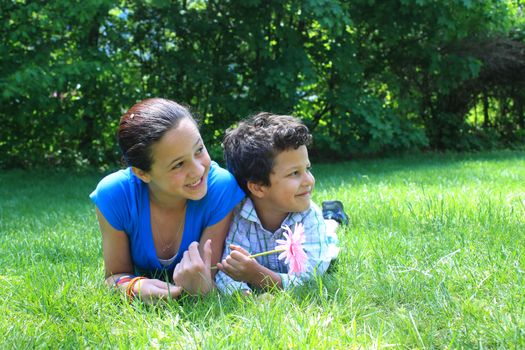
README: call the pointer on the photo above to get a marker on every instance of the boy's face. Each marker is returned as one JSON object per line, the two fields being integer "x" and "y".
{"x": 291, "y": 183}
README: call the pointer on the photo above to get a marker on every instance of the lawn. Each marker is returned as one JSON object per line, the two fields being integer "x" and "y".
{"x": 433, "y": 258}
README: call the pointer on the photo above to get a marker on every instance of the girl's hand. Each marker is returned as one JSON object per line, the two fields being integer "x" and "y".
{"x": 239, "y": 266}
{"x": 151, "y": 291}
{"x": 193, "y": 273}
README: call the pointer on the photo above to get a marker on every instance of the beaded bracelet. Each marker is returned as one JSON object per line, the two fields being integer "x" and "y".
{"x": 129, "y": 288}
{"x": 123, "y": 279}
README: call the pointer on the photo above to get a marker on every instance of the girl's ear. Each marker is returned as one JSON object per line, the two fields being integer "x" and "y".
{"x": 141, "y": 174}
{"x": 256, "y": 189}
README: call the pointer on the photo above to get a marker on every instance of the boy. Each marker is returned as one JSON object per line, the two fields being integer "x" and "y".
{"x": 267, "y": 154}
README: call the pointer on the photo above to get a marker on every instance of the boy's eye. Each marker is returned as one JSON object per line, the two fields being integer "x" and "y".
{"x": 295, "y": 173}
{"x": 199, "y": 151}
{"x": 177, "y": 166}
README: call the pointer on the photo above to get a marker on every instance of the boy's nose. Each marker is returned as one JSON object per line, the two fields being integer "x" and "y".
{"x": 308, "y": 179}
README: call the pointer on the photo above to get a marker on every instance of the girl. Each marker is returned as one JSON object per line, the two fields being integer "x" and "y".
{"x": 164, "y": 218}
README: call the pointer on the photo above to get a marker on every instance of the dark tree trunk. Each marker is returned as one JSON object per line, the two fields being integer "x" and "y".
{"x": 486, "y": 119}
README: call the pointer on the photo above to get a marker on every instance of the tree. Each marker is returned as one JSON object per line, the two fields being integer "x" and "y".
{"x": 366, "y": 76}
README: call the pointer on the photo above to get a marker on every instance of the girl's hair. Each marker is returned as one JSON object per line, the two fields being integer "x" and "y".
{"x": 144, "y": 124}
{"x": 251, "y": 147}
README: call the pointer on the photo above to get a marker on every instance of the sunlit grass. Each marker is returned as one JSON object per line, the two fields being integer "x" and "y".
{"x": 433, "y": 258}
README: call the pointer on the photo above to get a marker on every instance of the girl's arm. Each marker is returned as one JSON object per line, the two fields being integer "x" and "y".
{"x": 217, "y": 233}
{"x": 115, "y": 247}
{"x": 194, "y": 273}
{"x": 118, "y": 263}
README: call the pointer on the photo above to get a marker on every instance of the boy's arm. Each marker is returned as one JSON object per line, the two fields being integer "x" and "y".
{"x": 225, "y": 283}
{"x": 236, "y": 268}
{"x": 316, "y": 248}
{"x": 228, "y": 285}
{"x": 241, "y": 267}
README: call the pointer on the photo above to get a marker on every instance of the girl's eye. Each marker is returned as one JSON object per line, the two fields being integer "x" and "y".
{"x": 199, "y": 151}
{"x": 177, "y": 166}
{"x": 295, "y": 173}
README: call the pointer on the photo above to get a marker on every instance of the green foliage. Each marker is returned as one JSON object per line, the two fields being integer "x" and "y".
{"x": 366, "y": 76}
{"x": 59, "y": 88}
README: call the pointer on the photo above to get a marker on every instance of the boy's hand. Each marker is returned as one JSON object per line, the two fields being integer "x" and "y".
{"x": 239, "y": 266}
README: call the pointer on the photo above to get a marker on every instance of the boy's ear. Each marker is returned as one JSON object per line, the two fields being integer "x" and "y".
{"x": 141, "y": 174}
{"x": 256, "y": 189}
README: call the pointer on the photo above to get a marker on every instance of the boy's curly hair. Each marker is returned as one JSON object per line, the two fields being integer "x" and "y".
{"x": 251, "y": 147}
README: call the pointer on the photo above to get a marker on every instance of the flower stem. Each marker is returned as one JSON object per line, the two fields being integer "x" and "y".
{"x": 259, "y": 254}
{"x": 266, "y": 253}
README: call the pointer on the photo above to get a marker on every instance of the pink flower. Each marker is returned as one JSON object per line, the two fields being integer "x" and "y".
{"x": 293, "y": 251}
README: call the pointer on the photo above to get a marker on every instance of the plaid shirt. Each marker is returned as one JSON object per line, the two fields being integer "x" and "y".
{"x": 246, "y": 231}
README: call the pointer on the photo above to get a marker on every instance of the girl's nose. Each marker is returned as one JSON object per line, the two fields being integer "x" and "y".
{"x": 197, "y": 168}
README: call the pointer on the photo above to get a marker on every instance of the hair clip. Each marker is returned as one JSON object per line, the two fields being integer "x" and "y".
{"x": 132, "y": 115}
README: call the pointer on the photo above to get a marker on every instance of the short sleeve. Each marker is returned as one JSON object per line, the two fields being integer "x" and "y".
{"x": 224, "y": 194}
{"x": 111, "y": 196}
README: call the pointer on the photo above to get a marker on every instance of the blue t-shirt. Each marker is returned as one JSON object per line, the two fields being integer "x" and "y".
{"x": 123, "y": 199}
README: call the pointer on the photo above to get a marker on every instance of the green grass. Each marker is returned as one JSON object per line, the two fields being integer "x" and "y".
{"x": 433, "y": 258}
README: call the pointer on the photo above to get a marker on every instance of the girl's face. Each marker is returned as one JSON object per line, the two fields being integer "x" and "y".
{"x": 180, "y": 164}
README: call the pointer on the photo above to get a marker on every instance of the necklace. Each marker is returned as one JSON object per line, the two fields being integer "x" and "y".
{"x": 172, "y": 239}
